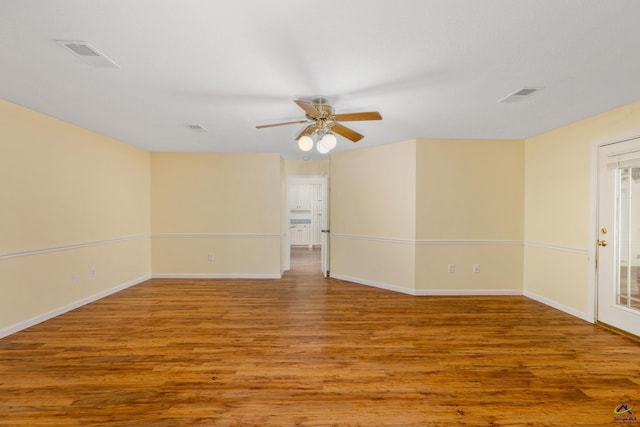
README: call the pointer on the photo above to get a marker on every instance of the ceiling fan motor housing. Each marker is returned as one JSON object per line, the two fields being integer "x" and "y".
{"x": 321, "y": 119}
{"x": 321, "y": 105}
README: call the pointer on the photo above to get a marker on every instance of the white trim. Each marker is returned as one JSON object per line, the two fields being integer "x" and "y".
{"x": 214, "y": 276}
{"x": 592, "y": 279}
{"x": 379, "y": 285}
{"x": 469, "y": 242}
{"x": 620, "y": 137}
{"x": 468, "y": 292}
{"x": 213, "y": 236}
{"x": 61, "y": 310}
{"x": 557, "y": 247}
{"x": 287, "y": 251}
{"x": 430, "y": 292}
{"x": 592, "y": 300}
{"x": 558, "y": 306}
{"x": 372, "y": 239}
{"x": 427, "y": 242}
{"x": 71, "y": 246}
{"x": 462, "y": 242}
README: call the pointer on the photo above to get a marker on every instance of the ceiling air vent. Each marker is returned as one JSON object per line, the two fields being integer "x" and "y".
{"x": 521, "y": 94}
{"x": 87, "y": 53}
{"x": 196, "y": 128}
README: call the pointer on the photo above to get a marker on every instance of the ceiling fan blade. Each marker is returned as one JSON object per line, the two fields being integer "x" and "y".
{"x": 346, "y": 132}
{"x": 306, "y": 131}
{"x": 352, "y": 117}
{"x": 308, "y": 108}
{"x": 281, "y": 124}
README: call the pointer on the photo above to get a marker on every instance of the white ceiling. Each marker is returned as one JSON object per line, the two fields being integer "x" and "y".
{"x": 433, "y": 68}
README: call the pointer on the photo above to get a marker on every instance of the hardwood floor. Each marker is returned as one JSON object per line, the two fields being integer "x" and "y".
{"x": 308, "y": 351}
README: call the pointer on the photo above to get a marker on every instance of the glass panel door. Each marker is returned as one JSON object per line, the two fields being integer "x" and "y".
{"x": 628, "y": 233}
{"x": 618, "y": 256}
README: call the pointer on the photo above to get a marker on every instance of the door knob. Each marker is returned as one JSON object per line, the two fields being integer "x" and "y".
{"x": 602, "y": 243}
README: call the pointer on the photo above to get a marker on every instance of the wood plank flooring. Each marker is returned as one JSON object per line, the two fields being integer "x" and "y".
{"x": 308, "y": 351}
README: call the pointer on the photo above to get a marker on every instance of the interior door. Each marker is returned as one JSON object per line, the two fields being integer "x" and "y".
{"x": 618, "y": 276}
{"x": 324, "y": 232}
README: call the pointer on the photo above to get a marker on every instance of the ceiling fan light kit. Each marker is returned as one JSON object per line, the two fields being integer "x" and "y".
{"x": 325, "y": 144}
{"x": 330, "y": 141}
{"x": 305, "y": 143}
{"x": 322, "y": 122}
{"x": 321, "y": 147}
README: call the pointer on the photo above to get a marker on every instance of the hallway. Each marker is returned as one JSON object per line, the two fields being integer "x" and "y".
{"x": 305, "y": 260}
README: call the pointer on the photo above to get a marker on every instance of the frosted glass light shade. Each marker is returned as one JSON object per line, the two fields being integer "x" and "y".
{"x": 322, "y": 149}
{"x": 329, "y": 141}
{"x": 305, "y": 143}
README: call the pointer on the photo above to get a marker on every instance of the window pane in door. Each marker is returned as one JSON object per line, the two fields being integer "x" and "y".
{"x": 628, "y": 229}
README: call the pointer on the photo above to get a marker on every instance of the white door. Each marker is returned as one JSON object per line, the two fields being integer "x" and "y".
{"x": 324, "y": 245}
{"x": 618, "y": 277}
{"x": 316, "y": 222}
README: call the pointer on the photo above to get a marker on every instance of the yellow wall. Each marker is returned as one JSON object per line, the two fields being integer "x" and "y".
{"x": 500, "y": 268}
{"x": 226, "y": 203}
{"x": 558, "y": 205}
{"x": 71, "y": 200}
{"x": 470, "y": 210}
{"x": 470, "y": 189}
{"x": 307, "y": 167}
{"x": 401, "y": 213}
{"x": 373, "y": 192}
{"x": 74, "y": 201}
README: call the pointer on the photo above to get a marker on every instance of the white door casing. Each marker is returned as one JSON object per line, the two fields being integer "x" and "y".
{"x": 324, "y": 236}
{"x": 618, "y": 235}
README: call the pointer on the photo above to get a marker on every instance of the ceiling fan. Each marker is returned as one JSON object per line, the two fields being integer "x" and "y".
{"x": 321, "y": 120}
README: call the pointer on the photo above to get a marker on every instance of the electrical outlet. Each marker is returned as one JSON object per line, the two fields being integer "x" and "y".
{"x": 74, "y": 276}
{"x": 476, "y": 268}
{"x": 210, "y": 256}
{"x": 451, "y": 268}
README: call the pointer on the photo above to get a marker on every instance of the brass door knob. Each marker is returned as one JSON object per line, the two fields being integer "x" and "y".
{"x": 602, "y": 243}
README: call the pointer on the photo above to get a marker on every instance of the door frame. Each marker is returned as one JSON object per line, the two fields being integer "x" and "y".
{"x": 592, "y": 279}
{"x": 298, "y": 179}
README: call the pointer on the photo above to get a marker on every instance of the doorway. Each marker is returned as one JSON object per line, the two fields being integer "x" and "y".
{"x": 618, "y": 231}
{"x": 307, "y": 219}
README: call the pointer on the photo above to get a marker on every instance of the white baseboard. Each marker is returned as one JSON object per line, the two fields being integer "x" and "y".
{"x": 216, "y": 276}
{"x": 419, "y": 292}
{"x": 58, "y": 311}
{"x": 468, "y": 292}
{"x": 558, "y": 306}
{"x": 429, "y": 292}
{"x": 373, "y": 284}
